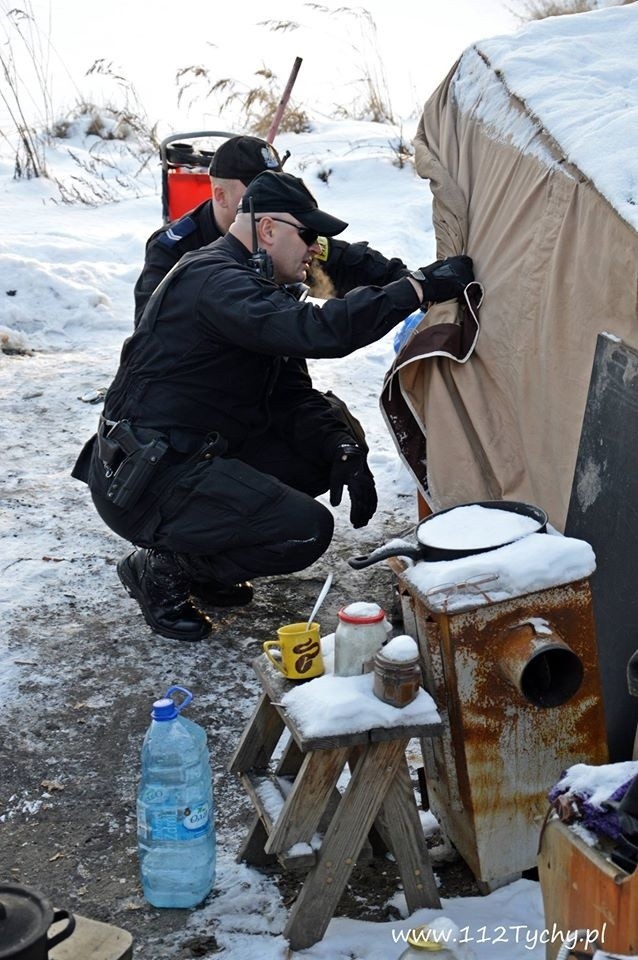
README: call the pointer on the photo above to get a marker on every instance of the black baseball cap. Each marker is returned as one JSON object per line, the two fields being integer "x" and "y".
{"x": 283, "y": 193}
{"x": 243, "y": 158}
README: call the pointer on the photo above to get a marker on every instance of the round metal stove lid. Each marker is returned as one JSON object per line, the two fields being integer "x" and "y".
{"x": 25, "y": 916}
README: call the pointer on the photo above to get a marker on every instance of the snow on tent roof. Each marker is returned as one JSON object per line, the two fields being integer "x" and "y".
{"x": 577, "y": 76}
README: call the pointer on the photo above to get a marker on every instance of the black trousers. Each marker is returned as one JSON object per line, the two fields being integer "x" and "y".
{"x": 230, "y": 519}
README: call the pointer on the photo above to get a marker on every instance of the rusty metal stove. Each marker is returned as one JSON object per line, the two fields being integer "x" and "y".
{"x": 517, "y": 685}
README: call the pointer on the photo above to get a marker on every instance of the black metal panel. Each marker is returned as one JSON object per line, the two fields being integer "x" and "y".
{"x": 603, "y": 510}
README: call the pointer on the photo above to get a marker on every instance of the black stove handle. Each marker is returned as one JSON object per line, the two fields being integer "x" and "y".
{"x": 383, "y": 553}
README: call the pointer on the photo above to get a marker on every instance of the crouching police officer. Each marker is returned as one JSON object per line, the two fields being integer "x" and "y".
{"x": 222, "y": 345}
{"x": 337, "y": 267}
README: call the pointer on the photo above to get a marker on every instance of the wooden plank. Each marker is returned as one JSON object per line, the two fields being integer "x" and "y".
{"x": 308, "y": 798}
{"x": 407, "y": 732}
{"x": 296, "y": 860}
{"x": 268, "y": 799}
{"x": 397, "y": 565}
{"x": 252, "y": 849}
{"x": 275, "y": 687}
{"x": 402, "y": 826}
{"x": 582, "y": 890}
{"x": 266, "y": 796}
{"x": 408, "y": 613}
{"x": 366, "y": 854}
{"x": 92, "y": 939}
{"x": 291, "y": 760}
{"x": 333, "y": 742}
{"x": 375, "y": 844}
{"x": 344, "y": 838}
{"x": 259, "y": 739}
{"x": 273, "y": 682}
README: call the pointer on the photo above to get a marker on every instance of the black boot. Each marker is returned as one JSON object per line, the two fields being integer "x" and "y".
{"x": 213, "y": 593}
{"x": 156, "y": 580}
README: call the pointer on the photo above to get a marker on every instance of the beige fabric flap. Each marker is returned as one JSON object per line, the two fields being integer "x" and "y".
{"x": 559, "y": 266}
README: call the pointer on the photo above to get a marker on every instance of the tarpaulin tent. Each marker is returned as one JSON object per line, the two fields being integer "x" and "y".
{"x": 530, "y": 145}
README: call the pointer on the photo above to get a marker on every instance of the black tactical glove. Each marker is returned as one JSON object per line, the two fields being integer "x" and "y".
{"x": 349, "y": 468}
{"x": 444, "y": 279}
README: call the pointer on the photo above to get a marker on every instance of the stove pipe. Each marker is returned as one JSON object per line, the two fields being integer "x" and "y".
{"x": 540, "y": 665}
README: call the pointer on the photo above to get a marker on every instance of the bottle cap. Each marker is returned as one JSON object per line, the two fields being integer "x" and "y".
{"x": 166, "y": 708}
{"x": 361, "y": 613}
{"x": 423, "y": 938}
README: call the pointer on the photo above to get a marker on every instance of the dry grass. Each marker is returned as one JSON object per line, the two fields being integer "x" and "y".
{"x": 25, "y": 90}
{"x": 258, "y": 102}
{"x": 402, "y": 150}
{"x": 25, "y": 85}
{"x": 541, "y": 9}
{"x": 371, "y": 95}
{"x": 25, "y": 93}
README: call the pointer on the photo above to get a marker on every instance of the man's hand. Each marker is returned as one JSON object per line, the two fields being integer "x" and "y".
{"x": 444, "y": 279}
{"x": 349, "y": 468}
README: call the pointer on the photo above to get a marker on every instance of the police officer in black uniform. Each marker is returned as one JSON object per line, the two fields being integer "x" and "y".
{"x": 337, "y": 267}
{"x": 234, "y": 165}
{"x": 213, "y": 443}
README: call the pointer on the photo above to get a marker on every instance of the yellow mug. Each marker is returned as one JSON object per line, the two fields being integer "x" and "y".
{"x": 298, "y": 654}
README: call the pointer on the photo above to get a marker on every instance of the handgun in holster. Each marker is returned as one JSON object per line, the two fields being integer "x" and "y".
{"x": 134, "y": 473}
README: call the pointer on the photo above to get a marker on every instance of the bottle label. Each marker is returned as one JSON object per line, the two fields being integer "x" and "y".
{"x": 173, "y": 823}
{"x": 196, "y": 818}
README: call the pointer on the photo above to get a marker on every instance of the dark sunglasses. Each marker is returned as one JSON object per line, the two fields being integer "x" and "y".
{"x": 307, "y": 235}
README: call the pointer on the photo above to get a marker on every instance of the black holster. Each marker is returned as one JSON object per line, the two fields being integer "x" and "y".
{"x": 132, "y": 474}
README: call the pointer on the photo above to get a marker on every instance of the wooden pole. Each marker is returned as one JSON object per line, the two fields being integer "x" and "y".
{"x": 285, "y": 97}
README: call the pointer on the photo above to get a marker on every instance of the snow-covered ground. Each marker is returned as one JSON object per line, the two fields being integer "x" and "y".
{"x": 67, "y": 272}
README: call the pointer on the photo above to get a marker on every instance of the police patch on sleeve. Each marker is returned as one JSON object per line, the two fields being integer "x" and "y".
{"x": 325, "y": 248}
{"x": 177, "y": 231}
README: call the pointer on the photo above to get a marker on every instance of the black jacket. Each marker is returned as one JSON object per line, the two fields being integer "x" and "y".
{"x": 220, "y": 348}
{"x": 347, "y": 265}
{"x": 167, "y": 245}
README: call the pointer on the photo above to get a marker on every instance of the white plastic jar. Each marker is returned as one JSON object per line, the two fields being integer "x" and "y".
{"x": 361, "y": 632}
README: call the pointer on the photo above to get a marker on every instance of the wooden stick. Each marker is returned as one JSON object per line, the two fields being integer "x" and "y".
{"x": 285, "y": 97}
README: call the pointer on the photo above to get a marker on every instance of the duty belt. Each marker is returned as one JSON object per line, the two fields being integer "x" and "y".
{"x": 130, "y": 455}
{"x": 129, "y": 458}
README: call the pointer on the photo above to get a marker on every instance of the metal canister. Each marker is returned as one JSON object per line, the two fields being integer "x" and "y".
{"x": 361, "y": 631}
{"x": 397, "y": 674}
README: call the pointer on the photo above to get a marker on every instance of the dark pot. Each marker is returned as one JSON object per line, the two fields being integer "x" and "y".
{"x": 424, "y": 552}
{"x": 25, "y": 918}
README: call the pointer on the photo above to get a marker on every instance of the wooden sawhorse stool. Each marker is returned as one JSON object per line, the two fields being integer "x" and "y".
{"x": 292, "y": 800}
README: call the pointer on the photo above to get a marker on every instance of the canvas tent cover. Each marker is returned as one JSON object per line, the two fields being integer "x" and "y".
{"x": 531, "y": 148}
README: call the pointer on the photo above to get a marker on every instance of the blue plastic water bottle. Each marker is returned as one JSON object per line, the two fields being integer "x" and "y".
{"x": 175, "y": 812}
{"x": 406, "y": 328}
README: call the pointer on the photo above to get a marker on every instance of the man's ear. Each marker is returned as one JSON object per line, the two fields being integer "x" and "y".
{"x": 265, "y": 231}
{"x": 219, "y": 195}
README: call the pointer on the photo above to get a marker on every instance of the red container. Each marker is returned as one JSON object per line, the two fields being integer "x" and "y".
{"x": 186, "y": 189}
{"x": 185, "y": 180}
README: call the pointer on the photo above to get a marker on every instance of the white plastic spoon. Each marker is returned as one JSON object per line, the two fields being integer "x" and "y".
{"x": 320, "y": 599}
